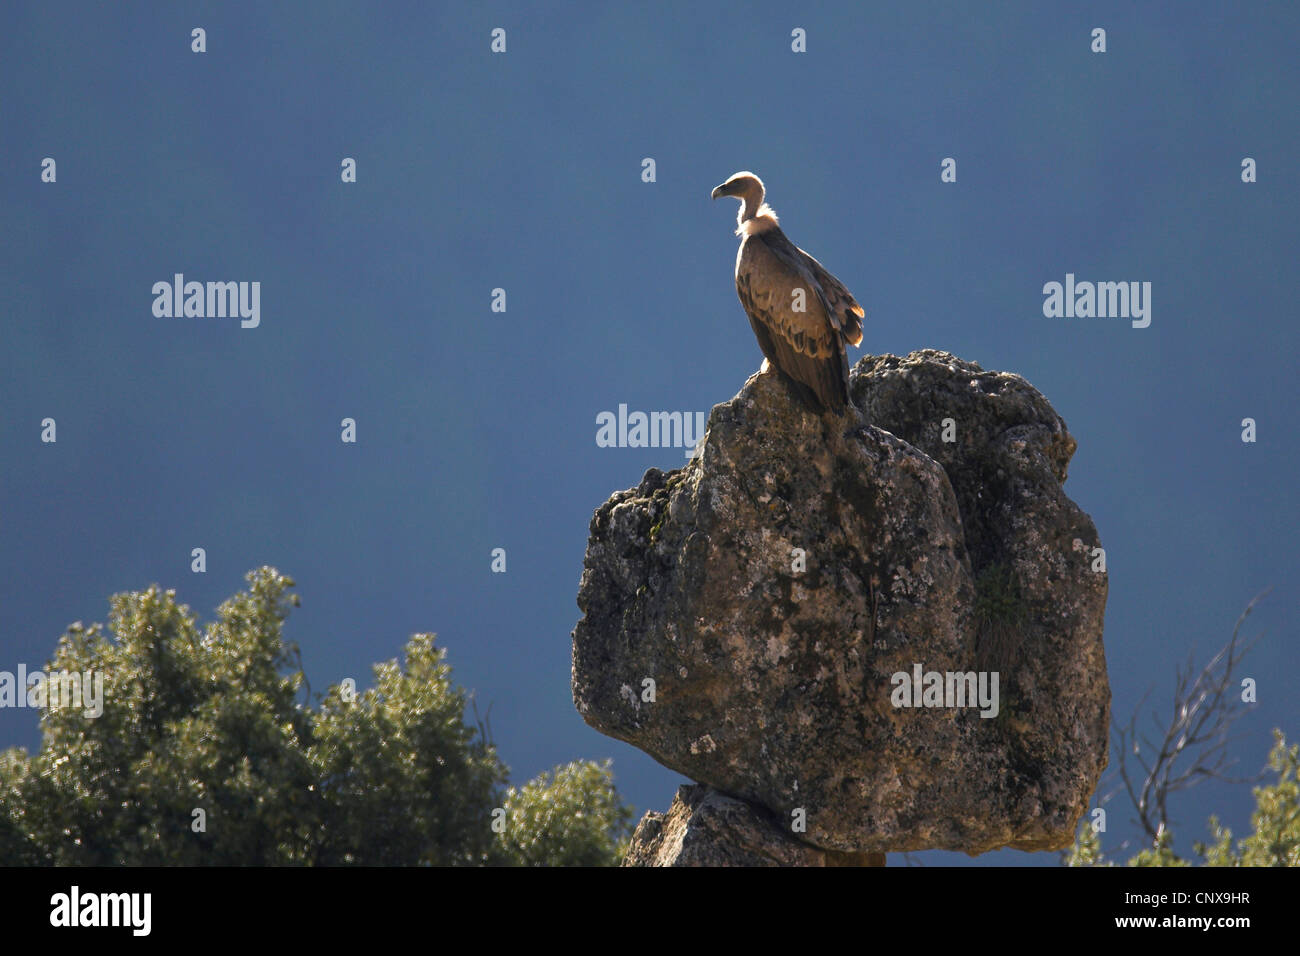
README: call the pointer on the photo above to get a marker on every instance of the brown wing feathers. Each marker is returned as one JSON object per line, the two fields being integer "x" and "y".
{"x": 816, "y": 380}
{"x": 807, "y": 346}
{"x": 841, "y": 305}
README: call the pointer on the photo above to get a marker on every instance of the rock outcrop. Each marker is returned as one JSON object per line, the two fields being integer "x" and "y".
{"x": 756, "y": 619}
{"x": 706, "y": 828}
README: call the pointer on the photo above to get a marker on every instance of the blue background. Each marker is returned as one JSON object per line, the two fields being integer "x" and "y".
{"x": 523, "y": 171}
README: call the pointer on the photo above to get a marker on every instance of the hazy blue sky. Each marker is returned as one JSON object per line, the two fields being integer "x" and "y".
{"x": 522, "y": 171}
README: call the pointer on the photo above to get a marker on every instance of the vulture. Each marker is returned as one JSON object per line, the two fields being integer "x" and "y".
{"x": 801, "y": 314}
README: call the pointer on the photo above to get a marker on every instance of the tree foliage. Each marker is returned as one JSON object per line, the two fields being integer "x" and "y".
{"x": 554, "y": 820}
{"x": 1276, "y": 819}
{"x": 206, "y": 754}
{"x": 1274, "y": 841}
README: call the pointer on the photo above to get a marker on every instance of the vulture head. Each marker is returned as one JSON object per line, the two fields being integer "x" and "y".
{"x": 748, "y": 188}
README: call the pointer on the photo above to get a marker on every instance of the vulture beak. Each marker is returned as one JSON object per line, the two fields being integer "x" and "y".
{"x": 720, "y": 191}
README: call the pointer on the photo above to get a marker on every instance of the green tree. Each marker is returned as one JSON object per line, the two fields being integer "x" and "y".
{"x": 205, "y": 754}
{"x": 403, "y": 779}
{"x": 1087, "y": 848}
{"x": 569, "y": 817}
{"x": 1275, "y": 840}
{"x": 1276, "y": 819}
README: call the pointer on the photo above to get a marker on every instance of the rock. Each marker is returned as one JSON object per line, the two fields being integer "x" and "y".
{"x": 706, "y": 828}
{"x": 711, "y": 642}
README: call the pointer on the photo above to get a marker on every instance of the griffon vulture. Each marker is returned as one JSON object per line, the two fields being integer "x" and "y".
{"x": 801, "y": 314}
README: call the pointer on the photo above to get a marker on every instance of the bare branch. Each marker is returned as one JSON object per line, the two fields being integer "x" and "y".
{"x": 1194, "y": 744}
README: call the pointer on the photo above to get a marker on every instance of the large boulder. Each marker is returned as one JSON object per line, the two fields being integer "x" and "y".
{"x": 747, "y": 619}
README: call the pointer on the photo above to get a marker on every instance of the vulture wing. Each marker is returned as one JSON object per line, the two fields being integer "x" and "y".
{"x": 808, "y": 345}
{"x": 843, "y": 309}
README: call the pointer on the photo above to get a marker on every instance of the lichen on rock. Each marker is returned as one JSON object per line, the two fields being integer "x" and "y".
{"x": 774, "y": 587}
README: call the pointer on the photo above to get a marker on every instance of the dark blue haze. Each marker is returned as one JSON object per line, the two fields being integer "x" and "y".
{"x": 523, "y": 171}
